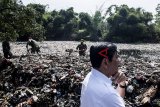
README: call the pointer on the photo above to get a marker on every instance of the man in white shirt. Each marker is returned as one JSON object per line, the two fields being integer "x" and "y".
{"x": 97, "y": 89}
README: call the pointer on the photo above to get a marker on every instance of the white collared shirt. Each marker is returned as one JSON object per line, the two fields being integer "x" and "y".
{"x": 97, "y": 91}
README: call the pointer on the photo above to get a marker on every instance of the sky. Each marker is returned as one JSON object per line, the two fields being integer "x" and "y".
{"x": 90, "y": 6}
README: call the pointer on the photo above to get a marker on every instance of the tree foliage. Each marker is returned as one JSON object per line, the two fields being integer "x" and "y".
{"x": 18, "y": 21}
{"x": 131, "y": 25}
{"x": 118, "y": 24}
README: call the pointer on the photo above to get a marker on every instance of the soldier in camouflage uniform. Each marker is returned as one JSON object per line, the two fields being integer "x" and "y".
{"x": 82, "y": 48}
{"x": 6, "y": 48}
{"x": 34, "y": 46}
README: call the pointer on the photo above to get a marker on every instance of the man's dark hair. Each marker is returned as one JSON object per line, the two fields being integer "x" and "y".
{"x": 96, "y": 58}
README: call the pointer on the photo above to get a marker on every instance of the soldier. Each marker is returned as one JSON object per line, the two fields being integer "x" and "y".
{"x": 34, "y": 46}
{"x": 82, "y": 48}
{"x": 6, "y": 48}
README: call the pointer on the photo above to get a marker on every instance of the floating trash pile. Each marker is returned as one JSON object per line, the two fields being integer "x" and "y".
{"x": 43, "y": 81}
{"x": 54, "y": 78}
{"x": 143, "y": 73}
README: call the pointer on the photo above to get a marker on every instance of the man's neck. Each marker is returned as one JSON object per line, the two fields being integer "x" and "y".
{"x": 106, "y": 73}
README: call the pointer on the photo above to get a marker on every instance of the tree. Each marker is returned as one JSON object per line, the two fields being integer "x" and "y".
{"x": 158, "y": 14}
{"x": 18, "y": 21}
{"x": 38, "y": 10}
{"x": 130, "y": 25}
{"x": 61, "y": 25}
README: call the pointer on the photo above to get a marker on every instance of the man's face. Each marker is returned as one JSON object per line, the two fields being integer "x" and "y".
{"x": 113, "y": 65}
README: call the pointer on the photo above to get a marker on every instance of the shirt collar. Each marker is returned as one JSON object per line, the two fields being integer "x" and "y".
{"x": 101, "y": 76}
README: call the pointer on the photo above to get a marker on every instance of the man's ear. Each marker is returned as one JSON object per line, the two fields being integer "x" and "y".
{"x": 105, "y": 61}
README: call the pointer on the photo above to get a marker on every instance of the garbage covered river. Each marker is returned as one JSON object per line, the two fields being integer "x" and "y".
{"x": 53, "y": 78}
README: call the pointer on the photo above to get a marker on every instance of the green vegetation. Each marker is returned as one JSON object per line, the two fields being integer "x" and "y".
{"x": 124, "y": 24}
